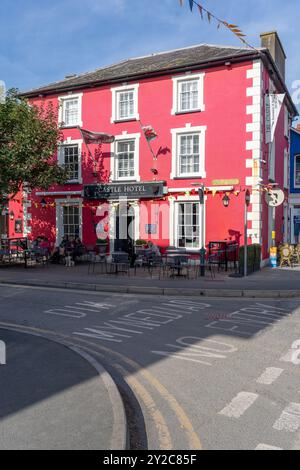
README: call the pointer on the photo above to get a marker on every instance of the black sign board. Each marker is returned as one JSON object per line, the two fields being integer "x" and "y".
{"x": 130, "y": 190}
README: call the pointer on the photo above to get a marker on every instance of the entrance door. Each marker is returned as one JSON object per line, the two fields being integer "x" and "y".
{"x": 125, "y": 230}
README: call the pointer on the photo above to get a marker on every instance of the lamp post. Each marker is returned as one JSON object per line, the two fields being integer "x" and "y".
{"x": 202, "y": 250}
{"x": 247, "y": 202}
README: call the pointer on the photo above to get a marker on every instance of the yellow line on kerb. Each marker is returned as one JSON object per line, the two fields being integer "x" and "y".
{"x": 192, "y": 437}
{"x": 186, "y": 424}
{"x": 159, "y": 421}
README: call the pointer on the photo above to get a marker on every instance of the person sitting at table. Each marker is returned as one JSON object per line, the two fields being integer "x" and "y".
{"x": 154, "y": 248}
{"x": 78, "y": 248}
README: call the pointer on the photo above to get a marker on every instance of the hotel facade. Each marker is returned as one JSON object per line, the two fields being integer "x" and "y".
{"x": 207, "y": 105}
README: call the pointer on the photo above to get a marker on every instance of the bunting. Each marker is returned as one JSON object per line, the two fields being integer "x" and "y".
{"x": 233, "y": 28}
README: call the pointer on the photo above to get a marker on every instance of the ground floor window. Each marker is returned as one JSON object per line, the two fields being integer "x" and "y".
{"x": 188, "y": 227}
{"x": 71, "y": 221}
{"x": 68, "y": 219}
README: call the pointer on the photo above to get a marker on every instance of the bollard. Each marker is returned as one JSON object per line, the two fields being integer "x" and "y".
{"x": 202, "y": 261}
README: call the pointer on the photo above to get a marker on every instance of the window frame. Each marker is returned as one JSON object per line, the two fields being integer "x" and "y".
{"x": 60, "y": 203}
{"x": 115, "y": 103}
{"x": 61, "y": 155}
{"x": 174, "y": 216}
{"x": 62, "y": 100}
{"x": 113, "y": 169}
{"x": 297, "y": 186}
{"x": 176, "y": 134}
{"x": 177, "y": 82}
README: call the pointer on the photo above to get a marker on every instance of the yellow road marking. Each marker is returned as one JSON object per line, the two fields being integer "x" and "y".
{"x": 186, "y": 424}
{"x": 159, "y": 421}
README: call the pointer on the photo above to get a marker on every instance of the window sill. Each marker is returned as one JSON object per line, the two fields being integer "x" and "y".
{"x": 73, "y": 182}
{"x": 119, "y": 121}
{"x": 73, "y": 126}
{"x": 189, "y": 177}
{"x": 193, "y": 111}
{"x": 125, "y": 181}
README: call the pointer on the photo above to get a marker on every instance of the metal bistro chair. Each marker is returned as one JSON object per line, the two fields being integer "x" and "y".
{"x": 176, "y": 264}
{"x": 95, "y": 260}
{"x": 120, "y": 263}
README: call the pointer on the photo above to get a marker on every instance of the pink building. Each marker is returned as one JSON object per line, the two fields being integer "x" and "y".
{"x": 207, "y": 105}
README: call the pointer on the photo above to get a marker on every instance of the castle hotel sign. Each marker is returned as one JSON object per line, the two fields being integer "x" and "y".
{"x": 146, "y": 190}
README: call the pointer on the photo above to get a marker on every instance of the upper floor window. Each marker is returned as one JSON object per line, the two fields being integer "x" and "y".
{"x": 70, "y": 110}
{"x": 188, "y": 94}
{"x": 69, "y": 156}
{"x": 126, "y": 158}
{"x": 297, "y": 171}
{"x": 188, "y": 153}
{"x": 125, "y": 103}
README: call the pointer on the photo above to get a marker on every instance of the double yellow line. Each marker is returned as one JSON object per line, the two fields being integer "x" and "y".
{"x": 141, "y": 392}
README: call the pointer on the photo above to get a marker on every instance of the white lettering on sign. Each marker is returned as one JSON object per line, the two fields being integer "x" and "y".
{"x": 2, "y": 353}
{"x": 188, "y": 349}
{"x": 293, "y": 354}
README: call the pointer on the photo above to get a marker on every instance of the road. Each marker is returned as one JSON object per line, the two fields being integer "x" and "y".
{"x": 193, "y": 373}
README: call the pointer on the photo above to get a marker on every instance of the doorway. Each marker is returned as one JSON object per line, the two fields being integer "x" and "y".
{"x": 125, "y": 225}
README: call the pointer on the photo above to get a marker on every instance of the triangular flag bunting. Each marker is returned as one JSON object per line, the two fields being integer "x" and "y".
{"x": 191, "y": 4}
{"x": 200, "y": 11}
{"x": 208, "y": 16}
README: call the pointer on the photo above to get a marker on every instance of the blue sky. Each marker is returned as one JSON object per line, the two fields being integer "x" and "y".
{"x": 42, "y": 41}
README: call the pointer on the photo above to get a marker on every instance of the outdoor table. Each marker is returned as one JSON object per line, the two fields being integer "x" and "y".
{"x": 119, "y": 258}
{"x": 179, "y": 260}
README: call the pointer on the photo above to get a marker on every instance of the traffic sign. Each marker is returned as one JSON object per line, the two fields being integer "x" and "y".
{"x": 274, "y": 197}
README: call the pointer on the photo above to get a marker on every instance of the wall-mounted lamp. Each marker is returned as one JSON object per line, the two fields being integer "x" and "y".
{"x": 226, "y": 201}
{"x": 11, "y": 215}
{"x": 43, "y": 203}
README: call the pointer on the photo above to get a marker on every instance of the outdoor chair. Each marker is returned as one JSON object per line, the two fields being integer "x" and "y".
{"x": 209, "y": 265}
{"x": 286, "y": 256}
{"x": 120, "y": 263}
{"x": 96, "y": 260}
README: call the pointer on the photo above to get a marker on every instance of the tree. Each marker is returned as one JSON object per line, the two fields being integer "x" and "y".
{"x": 29, "y": 137}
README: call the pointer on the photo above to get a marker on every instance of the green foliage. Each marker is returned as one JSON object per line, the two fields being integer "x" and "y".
{"x": 29, "y": 137}
{"x": 140, "y": 242}
{"x": 253, "y": 258}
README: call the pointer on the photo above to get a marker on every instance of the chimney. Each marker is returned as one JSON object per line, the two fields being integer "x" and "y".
{"x": 298, "y": 127}
{"x": 272, "y": 42}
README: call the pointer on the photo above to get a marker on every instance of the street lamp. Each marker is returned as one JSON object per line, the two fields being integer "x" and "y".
{"x": 226, "y": 201}
{"x": 43, "y": 203}
{"x": 201, "y": 193}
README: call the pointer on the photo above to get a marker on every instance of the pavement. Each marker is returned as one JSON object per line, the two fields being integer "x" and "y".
{"x": 53, "y": 397}
{"x": 267, "y": 283}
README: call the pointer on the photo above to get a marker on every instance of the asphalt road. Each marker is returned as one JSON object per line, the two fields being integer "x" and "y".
{"x": 194, "y": 373}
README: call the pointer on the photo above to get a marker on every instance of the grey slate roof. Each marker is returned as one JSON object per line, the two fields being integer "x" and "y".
{"x": 155, "y": 63}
